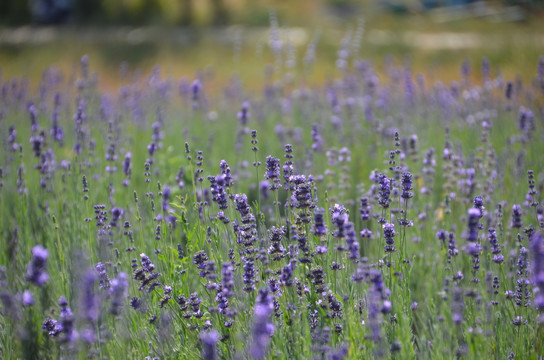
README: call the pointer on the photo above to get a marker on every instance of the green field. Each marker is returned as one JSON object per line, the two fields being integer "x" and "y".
{"x": 178, "y": 194}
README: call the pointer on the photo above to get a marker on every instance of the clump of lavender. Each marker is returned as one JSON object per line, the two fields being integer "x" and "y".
{"x": 36, "y": 268}
{"x": 64, "y": 329}
{"x": 145, "y": 274}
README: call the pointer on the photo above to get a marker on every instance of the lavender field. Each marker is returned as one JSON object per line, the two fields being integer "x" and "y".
{"x": 379, "y": 214}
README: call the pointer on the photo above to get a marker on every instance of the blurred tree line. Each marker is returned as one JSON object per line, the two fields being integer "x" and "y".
{"x": 194, "y": 12}
{"x": 122, "y": 12}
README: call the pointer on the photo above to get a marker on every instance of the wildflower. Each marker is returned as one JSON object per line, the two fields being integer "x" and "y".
{"x": 474, "y": 215}
{"x": 118, "y": 293}
{"x": 517, "y": 222}
{"x": 537, "y": 249}
{"x": 406, "y": 186}
{"x": 225, "y": 171}
{"x": 263, "y": 329}
{"x": 209, "y": 339}
{"x": 103, "y": 276}
{"x": 89, "y": 299}
{"x": 250, "y": 274}
{"x": 389, "y": 235}
{"x": 319, "y": 228}
{"x": 36, "y": 269}
{"x": 339, "y": 218}
{"x": 272, "y": 172}
{"x": 244, "y": 114}
{"x": 384, "y": 190}
{"x": 364, "y": 209}
{"x": 28, "y": 299}
{"x": 495, "y": 247}
{"x": 276, "y": 248}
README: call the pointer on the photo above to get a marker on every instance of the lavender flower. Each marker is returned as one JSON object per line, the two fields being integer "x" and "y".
{"x": 103, "y": 276}
{"x": 273, "y": 172}
{"x": 227, "y": 177}
{"x": 317, "y": 140}
{"x": 118, "y": 293}
{"x": 209, "y": 339}
{"x": 495, "y": 247}
{"x": 302, "y": 194}
{"x": 384, "y": 190}
{"x": 263, "y": 329}
{"x": 36, "y": 269}
{"x": 389, "y": 235}
{"x": 474, "y": 216}
{"x": 276, "y": 249}
{"x": 65, "y": 331}
{"x": 219, "y": 195}
{"x": 522, "y": 294}
{"x": 145, "y": 274}
{"x": 406, "y": 186}
{"x": 339, "y": 218}
{"x": 28, "y": 299}
{"x": 351, "y": 240}
{"x": 319, "y": 228}
{"x": 127, "y": 165}
{"x": 537, "y": 250}
{"x": 243, "y": 114}
{"x": 250, "y": 273}
{"x": 89, "y": 299}
{"x": 517, "y": 222}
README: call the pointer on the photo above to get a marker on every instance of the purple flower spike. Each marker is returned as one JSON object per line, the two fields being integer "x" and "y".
{"x": 36, "y": 273}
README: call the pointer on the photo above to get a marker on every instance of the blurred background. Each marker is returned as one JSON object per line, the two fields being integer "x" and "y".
{"x": 226, "y": 36}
